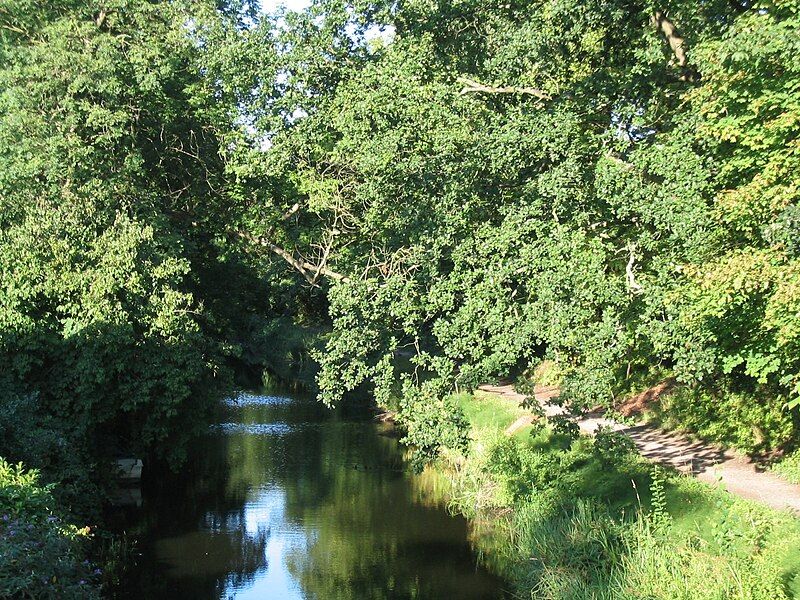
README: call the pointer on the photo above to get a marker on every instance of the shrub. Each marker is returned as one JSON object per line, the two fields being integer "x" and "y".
{"x": 789, "y": 467}
{"x": 520, "y": 470}
{"x": 41, "y": 556}
{"x": 432, "y": 423}
{"x": 28, "y": 435}
{"x": 611, "y": 446}
{"x": 744, "y": 420}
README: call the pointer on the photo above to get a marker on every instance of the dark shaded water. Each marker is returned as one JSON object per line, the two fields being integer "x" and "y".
{"x": 289, "y": 500}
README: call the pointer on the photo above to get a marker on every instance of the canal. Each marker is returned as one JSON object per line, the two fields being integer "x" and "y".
{"x": 288, "y": 499}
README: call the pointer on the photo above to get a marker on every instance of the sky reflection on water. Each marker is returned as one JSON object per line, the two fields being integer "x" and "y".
{"x": 289, "y": 500}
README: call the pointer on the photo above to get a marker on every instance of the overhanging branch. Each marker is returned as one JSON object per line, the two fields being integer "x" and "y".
{"x": 474, "y": 87}
{"x": 676, "y": 43}
{"x": 309, "y": 271}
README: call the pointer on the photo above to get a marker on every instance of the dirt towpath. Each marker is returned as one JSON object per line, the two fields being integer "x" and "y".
{"x": 708, "y": 463}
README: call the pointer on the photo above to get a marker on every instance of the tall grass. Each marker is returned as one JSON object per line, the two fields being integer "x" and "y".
{"x": 564, "y": 521}
{"x": 669, "y": 567}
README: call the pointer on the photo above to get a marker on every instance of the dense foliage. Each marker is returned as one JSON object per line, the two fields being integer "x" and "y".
{"x": 612, "y": 185}
{"x": 100, "y": 124}
{"x": 127, "y": 299}
{"x": 453, "y": 189}
{"x": 123, "y": 301}
{"x": 40, "y": 554}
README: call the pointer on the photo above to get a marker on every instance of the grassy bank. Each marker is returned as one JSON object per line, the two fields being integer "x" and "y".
{"x": 588, "y": 518}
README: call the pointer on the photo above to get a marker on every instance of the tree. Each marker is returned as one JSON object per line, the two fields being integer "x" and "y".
{"x": 110, "y": 195}
{"x": 503, "y": 182}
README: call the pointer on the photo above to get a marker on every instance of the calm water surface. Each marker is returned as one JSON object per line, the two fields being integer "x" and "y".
{"x": 289, "y": 500}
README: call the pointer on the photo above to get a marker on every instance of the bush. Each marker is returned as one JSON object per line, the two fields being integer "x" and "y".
{"x": 41, "y": 556}
{"x": 431, "y": 423}
{"x": 789, "y": 467}
{"x": 612, "y": 446}
{"x": 520, "y": 470}
{"x": 747, "y": 421}
{"x": 41, "y": 442}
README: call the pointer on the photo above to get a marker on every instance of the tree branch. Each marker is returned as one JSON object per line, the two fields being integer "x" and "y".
{"x": 13, "y": 28}
{"x": 293, "y": 209}
{"x": 633, "y": 285}
{"x": 325, "y": 254}
{"x": 310, "y": 272}
{"x": 474, "y": 87}
{"x": 676, "y": 43}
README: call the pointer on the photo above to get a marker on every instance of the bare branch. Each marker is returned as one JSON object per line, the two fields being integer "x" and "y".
{"x": 676, "y": 43}
{"x": 310, "y": 272}
{"x": 325, "y": 254}
{"x": 292, "y": 210}
{"x": 474, "y": 87}
{"x": 633, "y": 285}
{"x": 298, "y": 265}
{"x": 13, "y": 28}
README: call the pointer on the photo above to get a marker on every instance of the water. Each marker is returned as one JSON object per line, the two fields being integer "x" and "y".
{"x": 289, "y": 500}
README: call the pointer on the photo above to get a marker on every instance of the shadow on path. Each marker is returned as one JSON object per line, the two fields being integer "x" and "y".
{"x": 708, "y": 463}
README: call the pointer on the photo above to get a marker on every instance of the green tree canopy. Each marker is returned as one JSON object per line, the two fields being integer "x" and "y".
{"x": 609, "y": 184}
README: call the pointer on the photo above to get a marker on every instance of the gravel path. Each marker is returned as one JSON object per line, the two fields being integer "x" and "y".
{"x": 708, "y": 463}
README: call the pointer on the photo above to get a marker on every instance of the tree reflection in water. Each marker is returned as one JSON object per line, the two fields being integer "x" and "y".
{"x": 289, "y": 500}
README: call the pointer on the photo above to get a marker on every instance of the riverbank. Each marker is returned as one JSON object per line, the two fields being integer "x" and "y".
{"x": 286, "y": 498}
{"x": 577, "y": 518}
{"x": 711, "y": 463}
{"x": 42, "y": 555}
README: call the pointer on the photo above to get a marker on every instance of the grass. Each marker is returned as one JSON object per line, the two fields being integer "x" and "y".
{"x": 487, "y": 412}
{"x": 789, "y": 467}
{"x": 575, "y": 519}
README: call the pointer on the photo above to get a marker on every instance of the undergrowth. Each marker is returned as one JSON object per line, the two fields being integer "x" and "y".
{"x": 41, "y": 556}
{"x": 581, "y": 518}
{"x": 738, "y": 419}
{"x": 789, "y": 467}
